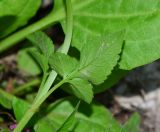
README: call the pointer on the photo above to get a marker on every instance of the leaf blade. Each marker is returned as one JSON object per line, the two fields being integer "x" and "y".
{"x": 19, "y": 108}
{"x": 26, "y": 63}
{"x": 63, "y": 64}
{"x": 98, "y": 60}
{"x": 99, "y": 118}
{"x": 141, "y": 22}
{"x": 41, "y": 59}
{"x": 69, "y": 121}
{"x": 132, "y": 125}
{"x": 81, "y": 89}
{"x": 6, "y": 99}
{"x": 42, "y": 42}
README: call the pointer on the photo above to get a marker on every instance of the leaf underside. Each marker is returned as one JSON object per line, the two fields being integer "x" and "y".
{"x": 98, "y": 120}
{"x": 96, "y": 63}
{"x": 140, "y": 19}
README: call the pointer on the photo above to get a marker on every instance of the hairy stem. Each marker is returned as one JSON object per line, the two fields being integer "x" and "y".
{"x": 25, "y": 86}
{"x": 44, "y": 93}
{"x": 69, "y": 21}
{"x": 34, "y": 108}
{"x": 20, "y": 35}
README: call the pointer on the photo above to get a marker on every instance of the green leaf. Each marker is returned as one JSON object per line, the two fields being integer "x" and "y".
{"x": 112, "y": 80}
{"x": 6, "y": 22}
{"x": 81, "y": 89}
{"x": 41, "y": 59}
{"x": 69, "y": 121}
{"x": 5, "y": 99}
{"x": 89, "y": 118}
{"x": 132, "y": 125}
{"x": 26, "y": 63}
{"x": 16, "y": 13}
{"x": 4, "y": 129}
{"x": 96, "y": 63}
{"x": 139, "y": 18}
{"x": 142, "y": 43}
{"x": 42, "y": 42}
{"x": 19, "y": 107}
{"x": 45, "y": 125}
{"x": 99, "y": 57}
{"x": 63, "y": 64}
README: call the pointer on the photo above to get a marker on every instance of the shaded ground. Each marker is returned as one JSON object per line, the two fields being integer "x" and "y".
{"x": 138, "y": 91}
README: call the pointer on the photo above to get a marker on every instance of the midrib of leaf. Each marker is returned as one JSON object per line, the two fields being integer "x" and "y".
{"x": 78, "y": 25}
{"x": 78, "y": 70}
{"x": 90, "y": 63}
{"x": 81, "y": 5}
{"x": 114, "y": 16}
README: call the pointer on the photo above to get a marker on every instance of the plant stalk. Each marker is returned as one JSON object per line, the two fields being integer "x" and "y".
{"x": 20, "y": 35}
{"x": 43, "y": 90}
{"x": 69, "y": 21}
{"x": 34, "y": 108}
{"x": 44, "y": 93}
{"x": 25, "y": 86}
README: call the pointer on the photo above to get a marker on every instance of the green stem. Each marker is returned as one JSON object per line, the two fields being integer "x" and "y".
{"x": 26, "y": 85}
{"x": 65, "y": 47}
{"x": 34, "y": 108}
{"x": 43, "y": 23}
{"x": 44, "y": 93}
{"x": 52, "y": 76}
{"x": 43, "y": 80}
{"x": 42, "y": 84}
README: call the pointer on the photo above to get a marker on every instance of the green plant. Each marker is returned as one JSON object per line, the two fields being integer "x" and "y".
{"x": 110, "y": 36}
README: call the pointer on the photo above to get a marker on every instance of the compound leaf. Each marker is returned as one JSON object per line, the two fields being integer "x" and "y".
{"x": 99, "y": 57}
{"x": 63, "y": 64}
{"x": 42, "y": 42}
{"x": 139, "y": 18}
{"x": 81, "y": 88}
{"x": 41, "y": 59}
{"x": 89, "y": 118}
{"x": 19, "y": 108}
{"x": 97, "y": 60}
{"x": 26, "y": 63}
{"x": 69, "y": 121}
